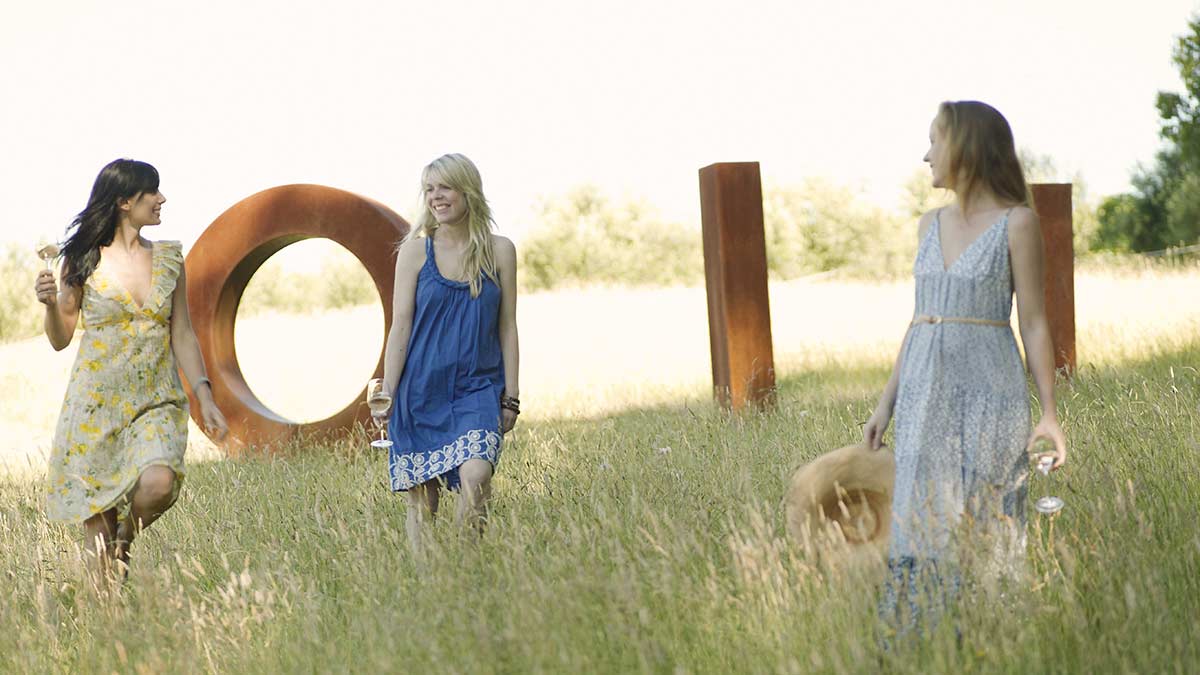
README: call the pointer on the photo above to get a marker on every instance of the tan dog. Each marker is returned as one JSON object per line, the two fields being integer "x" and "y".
{"x": 840, "y": 504}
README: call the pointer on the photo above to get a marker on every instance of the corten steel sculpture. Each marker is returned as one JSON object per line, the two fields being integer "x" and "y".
{"x": 735, "y": 273}
{"x": 228, "y": 254}
{"x": 1052, "y": 201}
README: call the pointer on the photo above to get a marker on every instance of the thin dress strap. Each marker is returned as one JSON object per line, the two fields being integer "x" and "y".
{"x": 936, "y": 227}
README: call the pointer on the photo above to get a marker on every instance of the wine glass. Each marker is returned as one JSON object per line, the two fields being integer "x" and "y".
{"x": 379, "y": 401}
{"x": 1044, "y": 458}
{"x": 47, "y": 250}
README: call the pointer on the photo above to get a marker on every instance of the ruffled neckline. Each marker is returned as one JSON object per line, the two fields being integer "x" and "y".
{"x": 431, "y": 263}
{"x": 166, "y": 260}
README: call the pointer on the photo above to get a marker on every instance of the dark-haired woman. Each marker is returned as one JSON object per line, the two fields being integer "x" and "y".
{"x": 958, "y": 389}
{"x": 117, "y": 458}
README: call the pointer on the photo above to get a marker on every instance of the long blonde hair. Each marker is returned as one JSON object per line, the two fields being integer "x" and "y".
{"x": 982, "y": 152}
{"x": 460, "y": 174}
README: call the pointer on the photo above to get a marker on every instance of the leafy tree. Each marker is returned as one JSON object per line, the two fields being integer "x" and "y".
{"x": 1183, "y": 211}
{"x": 1180, "y": 112}
{"x": 1164, "y": 209}
{"x": 1138, "y": 221}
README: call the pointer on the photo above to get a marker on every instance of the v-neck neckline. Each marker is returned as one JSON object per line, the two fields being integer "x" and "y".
{"x": 125, "y": 294}
{"x": 968, "y": 247}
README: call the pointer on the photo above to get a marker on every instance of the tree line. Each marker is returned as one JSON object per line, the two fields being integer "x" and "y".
{"x": 1163, "y": 210}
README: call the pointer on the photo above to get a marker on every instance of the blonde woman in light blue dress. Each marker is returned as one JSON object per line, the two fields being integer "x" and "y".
{"x": 958, "y": 389}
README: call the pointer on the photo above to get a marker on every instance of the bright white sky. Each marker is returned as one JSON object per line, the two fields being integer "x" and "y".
{"x": 228, "y": 98}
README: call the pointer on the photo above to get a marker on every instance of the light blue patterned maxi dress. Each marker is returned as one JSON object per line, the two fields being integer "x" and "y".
{"x": 962, "y": 419}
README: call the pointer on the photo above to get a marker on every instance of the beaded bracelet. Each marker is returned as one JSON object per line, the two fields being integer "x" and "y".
{"x": 511, "y": 403}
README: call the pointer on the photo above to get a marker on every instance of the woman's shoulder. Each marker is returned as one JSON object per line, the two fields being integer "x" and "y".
{"x": 1022, "y": 214}
{"x": 1024, "y": 233}
{"x": 504, "y": 251}
{"x": 1023, "y": 221}
{"x": 926, "y": 221}
{"x": 503, "y": 246}
{"x": 169, "y": 248}
{"x": 411, "y": 250}
{"x": 412, "y": 243}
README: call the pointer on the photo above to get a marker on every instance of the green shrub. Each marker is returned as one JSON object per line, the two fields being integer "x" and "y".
{"x": 583, "y": 238}
{"x": 818, "y": 226}
{"x": 339, "y": 282}
{"x": 20, "y": 312}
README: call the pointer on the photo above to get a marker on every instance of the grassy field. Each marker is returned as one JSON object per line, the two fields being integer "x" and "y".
{"x": 635, "y": 528}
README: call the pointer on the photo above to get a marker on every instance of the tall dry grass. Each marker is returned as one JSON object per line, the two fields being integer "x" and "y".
{"x": 646, "y": 541}
{"x": 635, "y": 528}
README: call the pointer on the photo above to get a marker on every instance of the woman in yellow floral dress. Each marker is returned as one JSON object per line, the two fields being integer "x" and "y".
{"x": 117, "y": 458}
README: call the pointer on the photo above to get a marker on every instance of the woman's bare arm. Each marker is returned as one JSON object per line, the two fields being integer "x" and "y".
{"x": 1026, "y": 252}
{"x": 62, "y": 308}
{"x": 409, "y": 260}
{"x": 506, "y": 264}
{"x": 191, "y": 361}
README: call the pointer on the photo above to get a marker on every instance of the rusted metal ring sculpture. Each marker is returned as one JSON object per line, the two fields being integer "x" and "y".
{"x": 231, "y": 250}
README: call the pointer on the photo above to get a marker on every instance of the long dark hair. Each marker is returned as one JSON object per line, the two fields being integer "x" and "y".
{"x": 96, "y": 224}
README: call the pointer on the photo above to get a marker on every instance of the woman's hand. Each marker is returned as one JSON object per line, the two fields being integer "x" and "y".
{"x": 214, "y": 422}
{"x": 508, "y": 419}
{"x": 875, "y": 426}
{"x": 46, "y": 288}
{"x": 1049, "y": 429}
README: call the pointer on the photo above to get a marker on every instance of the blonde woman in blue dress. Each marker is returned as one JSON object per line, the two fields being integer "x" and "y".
{"x": 958, "y": 388}
{"x": 117, "y": 457}
{"x": 452, "y": 353}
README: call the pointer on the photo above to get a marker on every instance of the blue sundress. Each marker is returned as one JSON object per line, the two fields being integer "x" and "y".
{"x": 446, "y": 409}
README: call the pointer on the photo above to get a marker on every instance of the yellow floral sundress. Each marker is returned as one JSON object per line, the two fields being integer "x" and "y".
{"x": 125, "y": 408}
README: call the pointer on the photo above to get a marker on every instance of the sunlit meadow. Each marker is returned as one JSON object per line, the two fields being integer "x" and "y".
{"x": 635, "y": 528}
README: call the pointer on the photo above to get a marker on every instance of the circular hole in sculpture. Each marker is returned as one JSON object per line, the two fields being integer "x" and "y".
{"x": 309, "y": 330}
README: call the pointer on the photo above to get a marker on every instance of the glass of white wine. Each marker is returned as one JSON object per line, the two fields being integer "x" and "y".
{"x": 47, "y": 250}
{"x": 1043, "y": 456}
{"x": 380, "y": 402}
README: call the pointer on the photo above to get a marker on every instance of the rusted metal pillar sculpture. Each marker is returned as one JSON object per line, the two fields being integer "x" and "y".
{"x": 227, "y": 255}
{"x": 735, "y": 272}
{"x": 1052, "y": 201}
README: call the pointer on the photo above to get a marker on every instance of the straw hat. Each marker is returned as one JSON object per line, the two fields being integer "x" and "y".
{"x": 841, "y": 502}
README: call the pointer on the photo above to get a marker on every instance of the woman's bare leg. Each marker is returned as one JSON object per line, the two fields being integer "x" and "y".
{"x": 475, "y": 476}
{"x": 99, "y": 535}
{"x": 422, "y": 507}
{"x": 153, "y": 494}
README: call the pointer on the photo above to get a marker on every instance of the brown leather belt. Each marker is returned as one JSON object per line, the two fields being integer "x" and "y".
{"x": 934, "y": 319}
